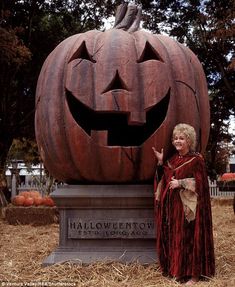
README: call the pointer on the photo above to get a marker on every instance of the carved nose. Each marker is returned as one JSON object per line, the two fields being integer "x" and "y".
{"x": 117, "y": 83}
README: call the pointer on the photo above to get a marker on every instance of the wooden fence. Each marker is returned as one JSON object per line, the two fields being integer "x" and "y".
{"x": 215, "y": 192}
{"x": 43, "y": 189}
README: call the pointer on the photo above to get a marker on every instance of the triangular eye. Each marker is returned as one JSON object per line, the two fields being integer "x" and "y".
{"x": 149, "y": 53}
{"x": 82, "y": 53}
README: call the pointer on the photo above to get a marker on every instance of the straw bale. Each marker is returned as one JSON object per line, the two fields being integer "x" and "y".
{"x": 24, "y": 247}
{"x": 36, "y": 215}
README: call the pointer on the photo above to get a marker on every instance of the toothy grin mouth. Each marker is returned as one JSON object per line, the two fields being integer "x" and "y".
{"x": 118, "y": 131}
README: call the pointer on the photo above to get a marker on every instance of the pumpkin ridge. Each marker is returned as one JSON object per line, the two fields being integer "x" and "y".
{"x": 63, "y": 100}
{"x": 194, "y": 70}
{"x": 54, "y": 154}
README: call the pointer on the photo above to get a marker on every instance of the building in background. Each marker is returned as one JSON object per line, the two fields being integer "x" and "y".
{"x": 232, "y": 164}
{"x": 28, "y": 176}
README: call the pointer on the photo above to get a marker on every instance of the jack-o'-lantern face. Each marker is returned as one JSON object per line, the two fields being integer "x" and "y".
{"x": 107, "y": 97}
{"x": 118, "y": 87}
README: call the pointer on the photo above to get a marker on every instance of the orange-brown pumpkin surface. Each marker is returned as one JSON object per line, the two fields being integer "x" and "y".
{"x": 25, "y": 194}
{"x": 38, "y": 200}
{"x": 28, "y": 201}
{"x": 48, "y": 201}
{"x": 18, "y": 200}
{"x": 30, "y": 193}
{"x": 105, "y": 98}
{"x": 229, "y": 176}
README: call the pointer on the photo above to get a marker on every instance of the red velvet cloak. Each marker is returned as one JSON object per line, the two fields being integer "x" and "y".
{"x": 184, "y": 248}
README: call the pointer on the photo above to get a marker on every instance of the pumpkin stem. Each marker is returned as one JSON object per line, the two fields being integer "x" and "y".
{"x": 128, "y": 17}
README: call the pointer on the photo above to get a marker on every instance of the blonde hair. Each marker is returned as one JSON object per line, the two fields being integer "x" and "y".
{"x": 189, "y": 132}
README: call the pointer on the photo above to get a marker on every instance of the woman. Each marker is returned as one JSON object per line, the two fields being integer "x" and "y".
{"x": 183, "y": 211}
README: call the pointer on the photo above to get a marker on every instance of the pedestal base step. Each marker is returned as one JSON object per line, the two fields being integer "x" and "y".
{"x": 86, "y": 257}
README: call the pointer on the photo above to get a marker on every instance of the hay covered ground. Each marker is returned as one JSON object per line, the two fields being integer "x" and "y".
{"x": 23, "y": 248}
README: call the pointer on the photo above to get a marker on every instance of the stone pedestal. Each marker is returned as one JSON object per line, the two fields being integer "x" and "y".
{"x": 105, "y": 223}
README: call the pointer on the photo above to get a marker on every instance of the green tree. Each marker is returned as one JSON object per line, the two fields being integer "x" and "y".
{"x": 26, "y": 150}
{"x": 13, "y": 57}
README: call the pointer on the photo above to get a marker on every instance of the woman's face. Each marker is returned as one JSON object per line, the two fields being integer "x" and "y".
{"x": 181, "y": 143}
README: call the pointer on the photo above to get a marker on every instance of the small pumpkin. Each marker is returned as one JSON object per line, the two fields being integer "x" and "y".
{"x": 30, "y": 193}
{"x": 18, "y": 200}
{"x": 29, "y": 201}
{"x": 48, "y": 201}
{"x": 25, "y": 194}
{"x": 104, "y": 99}
{"x": 228, "y": 176}
{"x": 34, "y": 193}
{"x": 38, "y": 200}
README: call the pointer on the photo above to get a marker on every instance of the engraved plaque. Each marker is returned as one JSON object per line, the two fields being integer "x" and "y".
{"x": 111, "y": 228}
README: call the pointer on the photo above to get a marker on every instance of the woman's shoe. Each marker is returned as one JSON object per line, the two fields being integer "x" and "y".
{"x": 192, "y": 281}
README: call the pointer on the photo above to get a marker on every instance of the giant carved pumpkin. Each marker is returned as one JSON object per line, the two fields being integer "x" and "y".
{"x": 105, "y": 98}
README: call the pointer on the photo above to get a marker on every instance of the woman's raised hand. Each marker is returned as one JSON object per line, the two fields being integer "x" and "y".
{"x": 159, "y": 155}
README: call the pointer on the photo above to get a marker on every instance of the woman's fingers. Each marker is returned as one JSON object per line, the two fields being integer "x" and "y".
{"x": 174, "y": 183}
{"x": 153, "y": 148}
